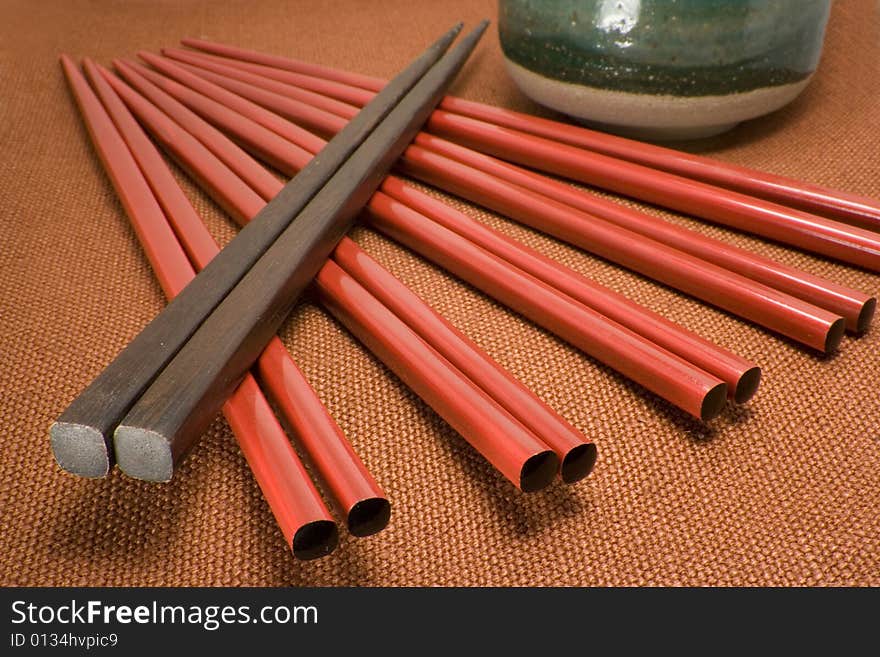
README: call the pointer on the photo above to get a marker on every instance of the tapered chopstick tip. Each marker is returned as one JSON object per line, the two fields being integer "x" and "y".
{"x": 443, "y": 42}
{"x": 80, "y": 449}
{"x": 69, "y": 65}
{"x": 369, "y": 516}
{"x": 143, "y": 453}
{"x": 314, "y": 540}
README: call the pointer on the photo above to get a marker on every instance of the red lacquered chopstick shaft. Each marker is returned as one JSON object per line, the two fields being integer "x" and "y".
{"x": 492, "y": 431}
{"x": 350, "y": 484}
{"x": 855, "y": 306}
{"x": 228, "y": 189}
{"x": 188, "y": 227}
{"x": 288, "y": 129}
{"x": 849, "y": 207}
{"x": 576, "y": 454}
{"x": 234, "y": 157}
{"x": 301, "y": 98}
{"x": 763, "y": 305}
{"x": 301, "y": 514}
{"x": 265, "y": 144}
{"x": 821, "y": 235}
{"x": 266, "y": 93}
{"x": 741, "y": 376}
{"x": 340, "y": 91}
{"x": 295, "y": 65}
{"x": 660, "y": 371}
{"x": 679, "y": 381}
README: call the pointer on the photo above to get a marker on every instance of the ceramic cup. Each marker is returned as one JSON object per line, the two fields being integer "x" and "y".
{"x": 662, "y": 69}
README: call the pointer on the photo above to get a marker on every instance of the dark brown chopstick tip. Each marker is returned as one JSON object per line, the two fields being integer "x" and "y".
{"x": 835, "y": 335}
{"x": 315, "y": 540}
{"x": 80, "y": 449}
{"x": 713, "y": 402}
{"x": 538, "y": 471}
{"x": 866, "y": 315}
{"x": 578, "y": 463}
{"x": 747, "y": 385}
{"x": 143, "y": 454}
{"x": 369, "y": 516}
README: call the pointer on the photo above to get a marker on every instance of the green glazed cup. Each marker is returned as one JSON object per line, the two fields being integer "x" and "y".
{"x": 662, "y": 69}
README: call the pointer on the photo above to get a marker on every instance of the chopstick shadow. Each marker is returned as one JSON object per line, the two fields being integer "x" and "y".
{"x": 347, "y": 565}
{"x": 126, "y": 515}
{"x": 529, "y": 514}
{"x": 521, "y": 514}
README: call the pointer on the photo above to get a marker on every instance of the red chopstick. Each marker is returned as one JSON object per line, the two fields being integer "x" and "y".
{"x": 815, "y": 233}
{"x": 742, "y": 377}
{"x": 301, "y": 514}
{"x": 230, "y": 191}
{"x": 295, "y": 65}
{"x": 852, "y": 208}
{"x": 855, "y": 306}
{"x": 781, "y": 312}
{"x": 267, "y": 145}
{"x": 677, "y": 380}
{"x": 233, "y": 156}
{"x": 828, "y": 237}
{"x": 576, "y": 454}
{"x": 358, "y": 496}
{"x": 489, "y": 427}
{"x": 514, "y": 450}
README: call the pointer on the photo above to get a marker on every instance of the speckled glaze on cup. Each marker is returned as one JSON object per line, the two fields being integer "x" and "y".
{"x": 663, "y": 69}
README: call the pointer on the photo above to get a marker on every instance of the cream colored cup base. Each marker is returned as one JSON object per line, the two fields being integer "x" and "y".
{"x": 653, "y": 117}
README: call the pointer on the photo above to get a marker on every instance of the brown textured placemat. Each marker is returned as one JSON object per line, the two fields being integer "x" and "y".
{"x": 784, "y": 491}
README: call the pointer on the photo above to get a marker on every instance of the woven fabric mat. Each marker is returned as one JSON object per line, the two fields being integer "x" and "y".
{"x": 785, "y": 491}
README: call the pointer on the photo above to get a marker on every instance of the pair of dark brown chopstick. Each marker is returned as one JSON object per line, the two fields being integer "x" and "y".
{"x": 591, "y": 332}
{"x": 375, "y": 137}
{"x": 476, "y": 396}
{"x": 298, "y": 508}
{"x": 577, "y": 454}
